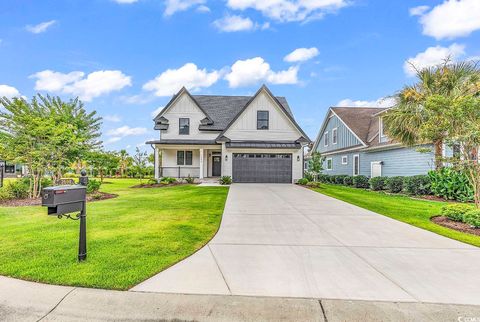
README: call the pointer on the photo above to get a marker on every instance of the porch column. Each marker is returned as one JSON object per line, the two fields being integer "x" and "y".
{"x": 201, "y": 164}
{"x": 156, "y": 163}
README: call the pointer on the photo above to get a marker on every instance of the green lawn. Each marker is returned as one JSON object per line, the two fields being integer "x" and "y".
{"x": 402, "y": 208}
{"x": 130, "y": 238}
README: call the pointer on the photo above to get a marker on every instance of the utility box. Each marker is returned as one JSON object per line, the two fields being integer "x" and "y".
{"x": 62, "y": 200}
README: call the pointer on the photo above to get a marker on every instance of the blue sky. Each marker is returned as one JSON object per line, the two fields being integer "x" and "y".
{"x": 125, "y": 58}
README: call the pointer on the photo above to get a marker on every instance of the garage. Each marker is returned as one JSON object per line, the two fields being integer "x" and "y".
{"x": 262, "y": 167}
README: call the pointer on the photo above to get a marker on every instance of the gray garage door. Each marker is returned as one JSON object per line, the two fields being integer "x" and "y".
{"x": 262, "y": 168}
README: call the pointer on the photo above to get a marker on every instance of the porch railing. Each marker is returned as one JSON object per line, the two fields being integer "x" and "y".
{"x": 180, "y": 172}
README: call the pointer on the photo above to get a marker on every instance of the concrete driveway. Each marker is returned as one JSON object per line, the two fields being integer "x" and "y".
{"x": 288, "y": 241}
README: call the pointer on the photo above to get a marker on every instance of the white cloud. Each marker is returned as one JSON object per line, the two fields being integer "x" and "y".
{"x": 418, "y": 11}
{"x": 127, "y": 131}
{"x": 173, "y": 6}
{"x": 41, "y": 27}
{"x": 381, "y": 102}
{"x": 113, "y": 140}
{"x": 290, "y": 10}
{"x": 157, "y": 110}
{"x": 301, "y": 54}
{"x": 255, "y": 70}
{"x": 86, "y": 88}
{"x": 8, "y": 91}
{"x": 170, "y": 81}
{"x": 203, "y": 9}
{"x": 452, "y": 18}
{"x": 432, "y": 56}
{"x": 112, "y": 118}
{"x": 233, "y": 23}
{"x": 125, "y": 1}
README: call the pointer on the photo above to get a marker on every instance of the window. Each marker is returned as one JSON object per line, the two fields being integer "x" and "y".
{"x": 9, "y": 168}
{"x": 329, "y": 164}
{"x": 356, "y": 165}
{"x": 184, "y": 157}
{"x": 184, "y": 126}
{"x": 262, "y": 120}
{"x": 334, "y": 136}
{"x": 344, "y": 159}
{"x": 325, "y": 139}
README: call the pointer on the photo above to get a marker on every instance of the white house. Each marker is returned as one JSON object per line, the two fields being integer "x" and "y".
{"x": 250, "y": 138}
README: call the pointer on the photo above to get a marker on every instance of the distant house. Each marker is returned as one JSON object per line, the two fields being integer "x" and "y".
{"x": 353, "y": 142}
{"x": 11, "y": 170}
{"x": 250, "y": 138}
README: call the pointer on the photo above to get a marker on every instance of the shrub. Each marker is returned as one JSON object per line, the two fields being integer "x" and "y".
{"x": 378, "y": 183}
{"x": 348, "y": 181}
{"x": 309, "y": 176}
{"x": 395, "y": 184}
{"x": 417, "y": 185}
{"x": 451, "y": 184}
{"x": 303, "y": 181}
{"x": 5, "y": 194}
{"x": 19, "y": 189}
{"x": 93, "y": 186}
{"x": 340, "y": 178}
{"x": 225, "y": 180}
{"x": 189, "y": 180}
{"x": 313, "y": 184}
{"x": 455, "y": 211}
{"x": 70, "y": 175}
{"x": 168, "y": 180}
{"x": 323, "y": 178}
{"x": 152, "y": 181}
{"x": 46, "y": 182}
{"x": 472, "y": 218}
{"x": 360, "y": 181}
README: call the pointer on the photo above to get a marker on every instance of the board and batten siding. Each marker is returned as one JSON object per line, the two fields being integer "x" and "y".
{"x": 185, "y": 107}
{"x": 345, "y": 138}
{"x": 245, "y": 126}
{"x": 396, "y": 162}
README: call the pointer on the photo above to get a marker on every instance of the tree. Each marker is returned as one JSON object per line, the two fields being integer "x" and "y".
{"x": 316, "y": 164}
{"x": 414, "y": 120}
{"x": 140, "y": 160}
{"x": 103, "y": 162}
{"x": 125, "y": 161}
{"x": 46, "y": 134}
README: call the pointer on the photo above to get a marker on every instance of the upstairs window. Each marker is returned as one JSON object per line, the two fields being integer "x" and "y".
{"x": 334, "y": 136}
{"x": 325, "y": 139}
{"x": 184, "y": 126}
{"x": 262, "y": 120}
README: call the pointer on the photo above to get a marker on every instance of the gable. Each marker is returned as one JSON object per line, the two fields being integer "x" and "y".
{"x": 184, "y": 107}
{"x": 345, "y": 137}
{"x": 244, "y": 127}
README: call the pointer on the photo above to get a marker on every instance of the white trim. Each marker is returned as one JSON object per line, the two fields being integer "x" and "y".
{"x": 346, "y": 159}
{"x": 371, "y": 168}
{"x": 342, "y": 150}
{"x": 353, "y": 163}
{"x": 316, "y": 143}
{"x": 325, "y": 136}
{"x": 335, "y": 136}
{"x": 361, "y": 141}
{"x": 326, "y": 162}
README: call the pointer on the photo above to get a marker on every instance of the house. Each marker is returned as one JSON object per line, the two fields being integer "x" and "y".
{"x": 353, "y": 142}
{"x": 249, "y": 138}
{"x": 11, "y": 170}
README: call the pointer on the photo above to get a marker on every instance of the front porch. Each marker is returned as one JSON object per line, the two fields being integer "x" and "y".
{"x": 188, "y": 161}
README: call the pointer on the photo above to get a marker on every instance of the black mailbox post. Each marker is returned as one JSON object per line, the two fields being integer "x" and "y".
{"x": 2, "y": 168}
{"x": 61, "y": 201}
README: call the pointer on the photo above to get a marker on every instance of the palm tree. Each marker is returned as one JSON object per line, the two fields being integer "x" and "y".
{"x": 125, "y": 161}
{"x": 416, "y": 119}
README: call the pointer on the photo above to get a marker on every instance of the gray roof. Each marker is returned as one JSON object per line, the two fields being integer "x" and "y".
{"x": 223, "y": 109}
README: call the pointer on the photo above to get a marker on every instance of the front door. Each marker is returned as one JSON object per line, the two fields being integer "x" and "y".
{"x": 216, "y": 166}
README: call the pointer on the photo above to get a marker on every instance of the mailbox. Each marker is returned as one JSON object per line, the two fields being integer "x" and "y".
{"x": 62, "y": 200}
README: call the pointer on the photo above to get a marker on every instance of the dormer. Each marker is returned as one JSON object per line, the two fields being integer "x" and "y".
{"x": 161, "y": 123}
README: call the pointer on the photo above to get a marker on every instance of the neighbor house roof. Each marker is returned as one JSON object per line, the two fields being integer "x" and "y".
{"x": 360, "y": 120}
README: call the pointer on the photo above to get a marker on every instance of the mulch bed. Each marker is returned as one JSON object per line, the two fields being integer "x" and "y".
{"x": 159, "y": 185}
{"x": 455, "y": 225}
{"x": 38, "y": 201}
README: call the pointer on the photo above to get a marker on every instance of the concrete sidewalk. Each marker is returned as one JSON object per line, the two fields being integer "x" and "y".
{"x": 287, "y": 241}
{"x": 27, "y": 301}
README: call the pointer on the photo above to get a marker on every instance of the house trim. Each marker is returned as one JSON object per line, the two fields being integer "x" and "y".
{"x": 183, "y": 90}
{"x": 355, "y": 134}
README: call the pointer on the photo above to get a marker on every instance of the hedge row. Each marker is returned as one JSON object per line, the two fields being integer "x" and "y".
{"x": 464, "y": 213}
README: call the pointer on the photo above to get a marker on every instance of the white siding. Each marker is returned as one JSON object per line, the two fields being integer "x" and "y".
{"x": 184, "y": 107}
{"x": 280, "y": 127}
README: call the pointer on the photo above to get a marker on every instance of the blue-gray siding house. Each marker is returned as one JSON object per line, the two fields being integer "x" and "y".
{"x": 352, "y": 142}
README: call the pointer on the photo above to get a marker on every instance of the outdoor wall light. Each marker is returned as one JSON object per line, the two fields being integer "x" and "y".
{"x": 298, "y": 158}
{"x": 226, "y": 157}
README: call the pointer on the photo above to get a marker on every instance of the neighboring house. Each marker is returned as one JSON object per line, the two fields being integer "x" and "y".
{"x": 353, "y": 142}
{"x": 11, "y": 170}
{"x": 250, "y": 138}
